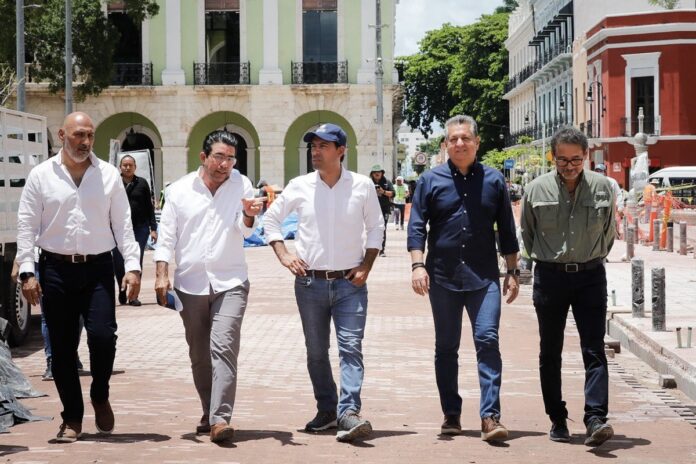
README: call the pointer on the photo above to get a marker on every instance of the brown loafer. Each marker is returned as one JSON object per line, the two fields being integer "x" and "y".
{"x": 69, "y": 432}
{"x": 220, "y": 432}
{"x": 492, "y": 429}
{"x": 103, "y": 417}
{"x": 203, "y": 425}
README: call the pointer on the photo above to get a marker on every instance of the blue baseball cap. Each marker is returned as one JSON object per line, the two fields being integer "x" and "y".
{"x": 328, "y": 132}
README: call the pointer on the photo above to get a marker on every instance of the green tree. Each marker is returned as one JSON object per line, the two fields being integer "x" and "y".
{"x": 666, "y": 4}
{"x": 507, "y": 7}
{"x": 460, "y": 70}
{"x": 93, "y": 41}
{"x": 431, "y": 147}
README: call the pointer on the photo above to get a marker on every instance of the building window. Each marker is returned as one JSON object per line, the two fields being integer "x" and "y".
{"x": 319, "y": 31}
{"x": 643, "y": 96}
{"x": 129, "y": 48}
{"x": 222, "y": 31}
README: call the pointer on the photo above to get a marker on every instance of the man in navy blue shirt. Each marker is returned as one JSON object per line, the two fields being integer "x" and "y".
{"x": 462, "y": 201}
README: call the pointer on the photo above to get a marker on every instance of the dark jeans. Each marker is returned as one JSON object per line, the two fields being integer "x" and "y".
{"x": 70, "y": 291}
{"x": 141, "y": 233}
{"x": 483, "y": 309}
{"x": 586, "y": 292}
{"x": 399, "y": 214}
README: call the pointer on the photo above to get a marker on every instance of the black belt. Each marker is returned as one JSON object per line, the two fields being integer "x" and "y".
{"x": 327, "y": 275}
{"x": 571, "y": 267}
{"x": 74, "y": 259}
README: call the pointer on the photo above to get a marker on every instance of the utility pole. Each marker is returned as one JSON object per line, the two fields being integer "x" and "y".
{"x": 379, "y": 74}
{"x": 21, "y": 80}
{"x": 68, "y": 58}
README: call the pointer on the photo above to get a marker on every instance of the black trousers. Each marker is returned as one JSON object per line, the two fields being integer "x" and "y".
{"x": 586, "y": 292}
{"x": 71, "y": 290}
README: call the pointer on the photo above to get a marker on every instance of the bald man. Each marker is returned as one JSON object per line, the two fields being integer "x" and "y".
{"x": 75, "y": 209}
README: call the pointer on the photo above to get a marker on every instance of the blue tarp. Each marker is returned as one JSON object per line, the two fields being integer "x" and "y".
{"x": 288, "y": 228}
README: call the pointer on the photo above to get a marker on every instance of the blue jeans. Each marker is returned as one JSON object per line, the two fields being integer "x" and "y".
{"x": 586, "y": 292}
{"x": 319, "y": 301}
{"x": 483, "y": 308}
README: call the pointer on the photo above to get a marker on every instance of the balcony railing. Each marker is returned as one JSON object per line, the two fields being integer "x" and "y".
{"x": 651, "y": 126}
{"x": 132, "y": 74}
{"x": 221, "y": 73}
{"x": 536, "y": 131}
{"x": 320, "y": 72}
{"x": 542, "y": 60}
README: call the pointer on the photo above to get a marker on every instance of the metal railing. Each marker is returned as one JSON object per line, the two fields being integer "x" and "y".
{"x": 221, "y": 73}
{"x": 651, "y": 126}
{"x": 132, "y": 74}
{"x": 542, "y": 60}
{"x": 320, "y": 72}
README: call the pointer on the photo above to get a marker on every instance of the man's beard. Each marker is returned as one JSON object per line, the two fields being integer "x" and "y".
{"x": 77, "y": 157}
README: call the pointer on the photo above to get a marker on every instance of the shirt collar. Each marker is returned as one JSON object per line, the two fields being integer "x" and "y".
{"x": 455, "y": 170}
{"x": 345, "y": 175}
{"x": 94, "y": 161}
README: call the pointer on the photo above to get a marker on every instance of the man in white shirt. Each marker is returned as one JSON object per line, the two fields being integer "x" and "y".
{"x": 204, "y": 221}
{"x": 74, "y": 208}
{"x": 339, "y": 234}
{"x": 618, "y": 197}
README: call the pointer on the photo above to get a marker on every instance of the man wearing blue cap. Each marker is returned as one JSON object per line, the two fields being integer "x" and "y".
{"x": 339, "y": 233}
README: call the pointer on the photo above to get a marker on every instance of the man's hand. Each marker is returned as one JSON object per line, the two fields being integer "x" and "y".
{"x": 511, "y": 284}
{"x": 420, "y": 281}
{"x": 131, "y": 285}
{"x": 31, "y": 289}
{"x": 253, "y": 206}
{"x": 153, "y": 236}
{"x": 295, "y": 264}
{"x": 358, "y": 275}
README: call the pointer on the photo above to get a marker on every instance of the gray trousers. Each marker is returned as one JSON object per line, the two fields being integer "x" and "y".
{"x": 213, "y": 325}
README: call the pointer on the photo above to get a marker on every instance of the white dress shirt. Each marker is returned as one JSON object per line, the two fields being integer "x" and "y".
{"x": 206, "y": 233}
{"x": 57, "y": 216}
{"x": 335, "y": 225}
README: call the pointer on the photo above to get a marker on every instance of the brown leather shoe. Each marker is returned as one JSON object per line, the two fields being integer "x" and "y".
{"x": 492, "y": 429}
{"x": 69, "y": 432}
{"x": 220, "y": 432}
{"x": 103, "y": 417}
{"x": 451, "y": 425}
{"x": 203, "y": 425}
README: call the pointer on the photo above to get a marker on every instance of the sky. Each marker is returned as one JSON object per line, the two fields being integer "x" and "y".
{"x": 415, "y": 17}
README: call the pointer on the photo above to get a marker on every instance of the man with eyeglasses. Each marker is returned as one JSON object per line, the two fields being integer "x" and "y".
{"x": 204, "y": 221}
{"x": 567, "y": 228}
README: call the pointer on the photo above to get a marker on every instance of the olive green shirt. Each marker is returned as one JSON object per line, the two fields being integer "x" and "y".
{"x": 558, "y": 229}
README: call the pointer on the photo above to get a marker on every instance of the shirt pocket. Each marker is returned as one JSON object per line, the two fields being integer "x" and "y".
{"x": 597, "y": 211}
{"x": 546, "y": 213}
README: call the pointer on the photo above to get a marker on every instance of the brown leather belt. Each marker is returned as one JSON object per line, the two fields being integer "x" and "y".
{"x": 571, "y": 267}
{"x": 327, "y": 275}
{"x": 74, "y": 259}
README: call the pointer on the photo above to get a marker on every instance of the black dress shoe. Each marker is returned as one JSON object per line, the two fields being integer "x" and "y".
{"x": 135, "y": 302}
{"x": 559, "y": 431}
{"x": 598, "y": 432}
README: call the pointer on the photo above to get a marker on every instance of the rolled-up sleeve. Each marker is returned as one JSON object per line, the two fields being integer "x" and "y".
{"x": 167, "y": 231}
{"x": 418, "y": 219}
{"x": 506, "y": 223}
{"x": 374, "y": 220}
{"x": 281, "y": 207}
{"x": 246, "y": 231}
{"x": 28, "y": 223}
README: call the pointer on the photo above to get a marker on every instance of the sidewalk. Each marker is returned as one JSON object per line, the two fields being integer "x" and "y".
{"x": 658, "y": 349}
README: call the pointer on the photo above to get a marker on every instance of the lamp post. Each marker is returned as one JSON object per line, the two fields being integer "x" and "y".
{"x": 602, "y": 105}
{"x": 21, "y": 89}
{"x": 562, "y": 106}
{"x": 68, "y": 58}
{"x": 543, "y": 138}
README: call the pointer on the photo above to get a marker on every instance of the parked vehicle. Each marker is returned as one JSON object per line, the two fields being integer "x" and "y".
{"x": 681, "y": 180}
{"x": 23, "y": 145}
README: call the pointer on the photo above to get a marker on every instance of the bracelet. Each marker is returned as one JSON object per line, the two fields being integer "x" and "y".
{"x": 515, "y": 272}
{"x": 246, "y": 215}
{"x": 415, "y": 266}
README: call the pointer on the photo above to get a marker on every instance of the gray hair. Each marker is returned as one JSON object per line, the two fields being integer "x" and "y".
{"x": 569, "y": 135}
{"x": 461, "y": 119}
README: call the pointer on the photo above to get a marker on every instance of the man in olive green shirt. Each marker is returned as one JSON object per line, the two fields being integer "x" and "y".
{"x": 567, "y": 229}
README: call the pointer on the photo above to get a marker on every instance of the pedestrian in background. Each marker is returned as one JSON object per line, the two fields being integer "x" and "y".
{"x": 385, "y": 193}
{"x": 339, "y": 230}
{"x": 74, "y": 208}
{"x": 456, "y": 208}
{"x": 568, "y": 229}
{"x": 618, "y": 197}
{"x": 400, "y": 195}
{"x": 142, "y": 217}
{"x": 207, "y": 215}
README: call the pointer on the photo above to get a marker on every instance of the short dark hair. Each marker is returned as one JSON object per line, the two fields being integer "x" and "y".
{"x": 127, "y": 156}
{"x": 569, "y": 135}
{"x": 218, "y": 136}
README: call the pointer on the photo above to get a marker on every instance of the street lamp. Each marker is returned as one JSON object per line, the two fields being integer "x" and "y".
{"x": 21, "y": 78}
{"x": 562, "y": 105}
{"x": 602, "y": 104}
{"x": 543, "y": 138}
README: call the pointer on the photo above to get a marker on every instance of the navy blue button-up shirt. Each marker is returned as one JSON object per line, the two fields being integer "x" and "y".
{"x": 462, "y": 211}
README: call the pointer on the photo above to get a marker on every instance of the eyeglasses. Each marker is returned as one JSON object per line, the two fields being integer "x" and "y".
{"x": 219, "y": 159}
{"x": 573, "y": 161}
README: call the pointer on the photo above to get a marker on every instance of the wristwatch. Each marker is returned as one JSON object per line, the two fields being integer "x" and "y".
{"x": 24, "y": 276}
{"x": 514, "y": 272}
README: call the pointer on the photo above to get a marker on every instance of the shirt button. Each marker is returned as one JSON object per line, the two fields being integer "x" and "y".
{"x": 571, "y": 217}
{"x": 572, "y": 249}
{"x": 463, "y": 246}
{"x": 465, "y": 194}
{"x": 572, "y": 232}
{"x": 463, "y": 228}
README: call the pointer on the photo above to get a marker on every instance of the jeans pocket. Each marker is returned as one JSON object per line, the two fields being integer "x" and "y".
{"x": 303, "y": 281}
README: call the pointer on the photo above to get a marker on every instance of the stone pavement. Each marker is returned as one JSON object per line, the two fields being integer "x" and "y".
{"x": 156, "y": 406}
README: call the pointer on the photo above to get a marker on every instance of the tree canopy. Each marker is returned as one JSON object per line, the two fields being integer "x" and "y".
{"x": 666, "y": 4}
{"x": 93, "y": 41}
{"x": 460, "y": 70}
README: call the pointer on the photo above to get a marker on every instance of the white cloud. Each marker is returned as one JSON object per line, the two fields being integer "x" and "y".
{"x": 415, "y": 17}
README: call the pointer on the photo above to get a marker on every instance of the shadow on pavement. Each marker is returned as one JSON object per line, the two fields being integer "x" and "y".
{"x": 6, "y": 450}
{"x": 513, "y": 435}
{"x": 285, "y": 438}
{"x": 377, "y": 434}
{"x": 618, "y": 442}
{"x": 123, "y": 437}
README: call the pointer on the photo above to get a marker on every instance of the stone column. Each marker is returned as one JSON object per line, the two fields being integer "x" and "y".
{"x": 637, "y": 287}
{"x": 270, "y": 72}
{"x": 272, "y": 164}
{"x": 174, "y": 163}
{"x": 630, "y": 240}
{"x": 656, "y": 235}
{"x": 682, "y": 238}
{"x": 658, "y": 299}
{"x": 368, "y": 47}
{"x": 173, "y": 74}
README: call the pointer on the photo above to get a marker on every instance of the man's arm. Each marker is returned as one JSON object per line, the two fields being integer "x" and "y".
{"x": 527, "y": 223}
{"x": 162, "y": 283}
{"x": 28, "y": 227}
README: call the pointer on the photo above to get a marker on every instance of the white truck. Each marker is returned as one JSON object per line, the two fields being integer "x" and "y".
{"x": 23, "y": 145}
